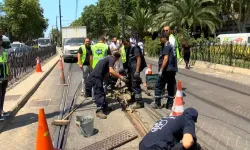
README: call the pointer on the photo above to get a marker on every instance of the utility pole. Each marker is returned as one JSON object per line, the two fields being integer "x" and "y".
{"x": 123, "y": 29}
{"x": 60, "y": 15}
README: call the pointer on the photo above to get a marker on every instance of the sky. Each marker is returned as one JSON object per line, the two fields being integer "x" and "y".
{"x": 68, "y": 8}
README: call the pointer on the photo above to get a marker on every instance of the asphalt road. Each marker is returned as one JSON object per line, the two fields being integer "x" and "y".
{"x": 223, "y": 106}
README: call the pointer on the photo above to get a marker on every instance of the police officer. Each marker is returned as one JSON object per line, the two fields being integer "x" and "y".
{"x": 167, "y": 133}
{"x": 135, "y": 64}
{"x": 167, "y": 71}
{"x": 4, "y": 77}
{"x": 85, "y": 58}
{"x": 96, "y": 78}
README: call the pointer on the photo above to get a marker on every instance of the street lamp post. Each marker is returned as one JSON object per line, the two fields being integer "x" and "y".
{"x": 123, "y": 29}
{"x": 60, "y": 15}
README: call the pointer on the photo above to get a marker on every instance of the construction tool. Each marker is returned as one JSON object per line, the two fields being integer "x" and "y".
{"x": 65, "y": 122}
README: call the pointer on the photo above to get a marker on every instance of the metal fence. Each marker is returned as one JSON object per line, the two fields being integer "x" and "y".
{"x": 23, "y": 60}
{"x": 237, "y": 55}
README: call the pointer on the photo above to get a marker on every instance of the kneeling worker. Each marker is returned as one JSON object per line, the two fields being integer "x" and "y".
{"x": 96, "y": 78}
{"x": 169, "y": 131}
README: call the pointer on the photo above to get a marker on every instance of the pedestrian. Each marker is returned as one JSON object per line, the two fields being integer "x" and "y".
{"x": 114, "y": 47}
{"x": 4, "y": 77}
{"x": 96, "y": 79}
{"x": 85, "y": 58}
{"x": 175, "y": 133}
{"x": 132, "y": 41}
{"x": 167, "y": 70}
{"x": 186, "y": 52}
{"x": 135, "y": 64}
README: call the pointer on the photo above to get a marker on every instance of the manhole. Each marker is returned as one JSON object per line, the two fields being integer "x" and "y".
{"x": 113, "y": 141}
{"x": 39, "y": 103}
{"x": 12, "y": 97}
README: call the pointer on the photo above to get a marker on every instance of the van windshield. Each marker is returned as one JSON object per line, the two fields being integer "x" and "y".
{"x": 44, "y": 41}
{"x": 74, "y": 41}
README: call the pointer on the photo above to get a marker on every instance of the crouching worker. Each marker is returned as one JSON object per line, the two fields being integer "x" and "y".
{"x": 169, "y": 131}
{"x": 96, "y": 78}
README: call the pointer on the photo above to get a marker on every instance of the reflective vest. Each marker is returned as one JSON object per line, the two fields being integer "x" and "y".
{"x": 99, "y": 51}
{"x": 123, "y": 52}
{"x": 176, "y": 47}
{"x": 84, "y": 53}
{"x": 4, "y": 70}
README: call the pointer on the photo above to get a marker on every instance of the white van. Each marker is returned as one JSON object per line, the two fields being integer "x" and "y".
{"x": 239, "y": 38}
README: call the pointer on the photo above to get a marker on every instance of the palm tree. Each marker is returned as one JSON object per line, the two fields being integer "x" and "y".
{"x": 189, "y": 14}
{"x": 141, "y": 20}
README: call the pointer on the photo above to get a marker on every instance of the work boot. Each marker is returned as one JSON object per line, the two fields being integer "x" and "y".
{"x": 5, "y": 114}
{"x": 155, "y": 106}
{"x": 1, "y": 118}
{"x": 101, "y": 115}
{"x": 169, "y": 104}
{"x": 138, "y": 105}
{"x": 107, "y": 109}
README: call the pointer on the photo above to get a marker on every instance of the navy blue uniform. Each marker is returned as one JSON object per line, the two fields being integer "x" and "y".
{"x": 96, "y": 79}
{"x": 134, "y": 83}
{"x": 168, "y": 74}
{"x": 169, "y": 131}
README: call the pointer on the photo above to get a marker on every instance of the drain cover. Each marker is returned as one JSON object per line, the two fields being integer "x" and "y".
{"x": 12, "y": 97}
{"x": 113, "y": 141}
{"x": 39, "y": 103}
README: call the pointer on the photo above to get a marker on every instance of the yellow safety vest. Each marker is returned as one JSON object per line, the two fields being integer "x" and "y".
{"x": 123, "y": 52}
{"x": 4, "y": 70}
{"x": 84, "y": 53}
{"x": 99, "y": 51}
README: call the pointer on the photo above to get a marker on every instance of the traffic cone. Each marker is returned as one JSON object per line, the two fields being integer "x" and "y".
{"x": 178, "y": 106}
{"x": 148, "y": 71}
{"x": 38, "y": 65}
{"x": 62, "y": 77}
{"x": 43, "y": 139}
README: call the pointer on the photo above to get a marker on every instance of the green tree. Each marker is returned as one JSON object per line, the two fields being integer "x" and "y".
{"x": 25, "y": 18}
{"x": 189, "y": 14}
{"x": 141, "y": 20}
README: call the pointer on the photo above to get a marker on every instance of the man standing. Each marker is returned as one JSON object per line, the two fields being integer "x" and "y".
{"x": 135, "y": 64}
{"x": 167, "y": 133}
{"x": 99, "y": 51}
{"x": 4, "y": 77}
{"x": 167, "y": 70}
{"x": 96, "y": 79}
{"x": 85, "y": 58}
{"x": 114, "y": 48}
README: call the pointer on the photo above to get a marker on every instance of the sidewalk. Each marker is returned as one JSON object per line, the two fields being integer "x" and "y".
{"x": 17, "y": 96}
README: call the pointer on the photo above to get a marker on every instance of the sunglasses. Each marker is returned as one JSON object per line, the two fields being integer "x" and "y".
{"x": 165, "y": 30}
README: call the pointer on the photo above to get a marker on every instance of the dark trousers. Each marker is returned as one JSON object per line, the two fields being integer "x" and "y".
{"x": 168, "y": 77}
{"x": 134, "y": 85}
{"x": 178, "y": 146}
{"x": 3, "y": 86}
{"x": 99, "y": 94}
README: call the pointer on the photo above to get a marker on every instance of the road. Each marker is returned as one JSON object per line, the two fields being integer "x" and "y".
{"x": 223, "y": 106}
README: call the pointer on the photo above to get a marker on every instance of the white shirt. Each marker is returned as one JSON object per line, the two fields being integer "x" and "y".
{"x": 113, "y": 46}
{"x": 172, "y": 41}
{"x": 132, "y": 41}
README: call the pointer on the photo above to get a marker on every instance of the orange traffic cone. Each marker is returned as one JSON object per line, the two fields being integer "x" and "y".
{"x": 38, "y": 65}
{"x": 178, "y": 107}
{"x": 148, "y": 72}
{"x": 43, "y": 139}
{"x": 62, "y": 77}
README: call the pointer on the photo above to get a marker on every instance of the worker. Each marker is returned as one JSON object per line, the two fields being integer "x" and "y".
{"x": 167, "y": 133}
{"x": 96, "y": 78}
{"x": 135, "y": 64}
{"x": 85, "y": 58}
{"x": 167, "y": 70}
{"x": 4, "y": 77}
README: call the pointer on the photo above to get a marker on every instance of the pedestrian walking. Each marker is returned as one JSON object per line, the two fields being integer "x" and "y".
{"x": 186, "y": 52}
{"x": 4, "y": 77}
{"x": 175, "y": 133}
{"x": 167, "y": 70}
{"x": 135, "y": 64}
{"x": 85, "y": 58}
{"x": 96, "y": 79}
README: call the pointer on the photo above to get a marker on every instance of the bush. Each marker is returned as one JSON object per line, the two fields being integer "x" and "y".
{"x": 152, "y": 47}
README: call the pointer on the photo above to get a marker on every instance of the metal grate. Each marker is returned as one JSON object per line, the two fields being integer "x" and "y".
{"x": 12, "y": 97}
{"x": 113, "y": 141}
{"x": 39, "y": 103}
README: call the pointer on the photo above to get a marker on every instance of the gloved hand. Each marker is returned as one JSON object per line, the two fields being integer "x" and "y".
{"x": 160, "y": 73}
{"x": 123, "y": 79}
{"x": 137, "y": 75}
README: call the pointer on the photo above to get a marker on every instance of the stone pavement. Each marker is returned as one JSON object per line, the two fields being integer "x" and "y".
{"x": 20, "y": 133}
{"x": 224, "y": 115}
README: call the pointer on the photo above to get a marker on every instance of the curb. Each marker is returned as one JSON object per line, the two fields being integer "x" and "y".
{"x": 25, "y": 98}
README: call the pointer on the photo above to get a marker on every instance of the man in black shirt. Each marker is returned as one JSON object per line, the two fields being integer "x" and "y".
{"x": 85, "y": 58}
{"x": 167, "y": 133}
{"x": 96, "y": 78}
{"x": 167, "y": 71}
{"x": 135, "y": 64}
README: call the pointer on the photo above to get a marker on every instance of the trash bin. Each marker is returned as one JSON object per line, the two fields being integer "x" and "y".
{"x": 85, "y": 125}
